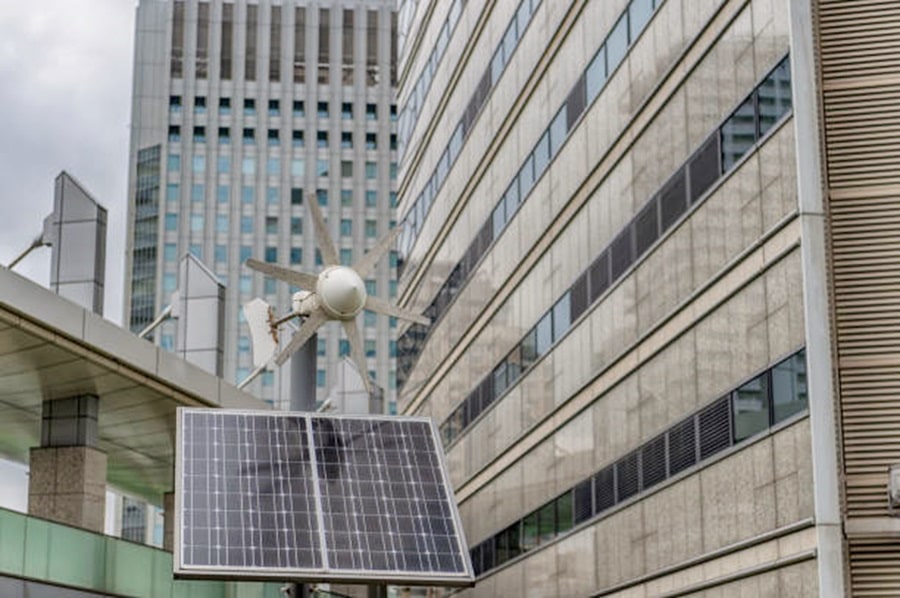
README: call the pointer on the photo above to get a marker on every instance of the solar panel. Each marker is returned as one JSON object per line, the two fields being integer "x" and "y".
{"x": 310, "y": 497}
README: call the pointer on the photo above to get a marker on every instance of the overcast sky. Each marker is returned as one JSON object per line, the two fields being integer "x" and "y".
{"x": 65, "y": 87}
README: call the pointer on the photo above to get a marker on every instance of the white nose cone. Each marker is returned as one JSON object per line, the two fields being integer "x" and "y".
{"x": 342, "y": 291}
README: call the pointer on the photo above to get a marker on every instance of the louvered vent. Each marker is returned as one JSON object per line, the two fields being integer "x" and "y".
{"x": 605, "y": 489}
{"x": 627, "y": 475}
{"x": 653, "y": 462}
{"x": 860, "y": 62}
{"x": 682, "y": 446}
{"x": 714, "y": 423}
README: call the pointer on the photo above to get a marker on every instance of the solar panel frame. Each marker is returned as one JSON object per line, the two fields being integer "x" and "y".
{"x": 323, "y": 570}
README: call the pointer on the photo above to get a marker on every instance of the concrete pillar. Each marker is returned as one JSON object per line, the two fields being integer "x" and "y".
{"x": 169, "y": 521}
{"x": 67, "y": 480}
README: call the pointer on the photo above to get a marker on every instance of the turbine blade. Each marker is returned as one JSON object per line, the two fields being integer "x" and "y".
{"x": 356, "y": 351}
{"x": 301, "y": 279}
{"x": 323, "y": 237}
{"x": 389, "y": 309}
{"x": 307, "y": 329}
{"x": 367, "y": 262}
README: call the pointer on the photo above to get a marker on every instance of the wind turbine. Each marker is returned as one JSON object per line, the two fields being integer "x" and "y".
{"x": 337, "y": 293}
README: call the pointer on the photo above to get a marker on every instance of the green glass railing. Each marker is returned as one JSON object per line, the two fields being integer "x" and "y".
{"x": 54, "y": 553}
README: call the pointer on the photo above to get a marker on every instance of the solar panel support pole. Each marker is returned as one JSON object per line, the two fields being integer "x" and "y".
{"x": 303, "y": 398}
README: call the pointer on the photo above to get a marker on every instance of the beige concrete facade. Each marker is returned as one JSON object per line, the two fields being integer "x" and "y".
{"x": 713, "y": 303}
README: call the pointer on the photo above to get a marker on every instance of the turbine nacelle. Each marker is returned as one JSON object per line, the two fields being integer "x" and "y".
{"x": 342, "y": 292}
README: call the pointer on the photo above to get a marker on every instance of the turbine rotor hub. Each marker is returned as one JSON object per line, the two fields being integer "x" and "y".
{"x": 342, "y": 292}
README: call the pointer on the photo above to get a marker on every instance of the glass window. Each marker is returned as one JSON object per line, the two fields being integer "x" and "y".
{"x": 751, "y": 408}
{"x": 346, "y": 227}
{"x": 789, "y": 387}
{"x": 296, "y": 255}
{"x": 272, "y": 137}
{"x": 272, "y": 195}
{"x": 371, "y": 229}
{"x": 526, "y": 177}
{"x": 297, "y": 138}
{"x": 346, "y": 139}
{"x": 561, "y": 314}
{"x": 371, "y": 287}
{"x": 346, "y": 169}
{"x": 174, "y": 103}
{"x": 530, "y": 531}
{"x": 274, "y": 108}
{"x": 173, "y": 163}
{"x": 321, "y": 167}
{"x": 369, "y": 347}
{"x": 224, "y": 164}
{"x": 371, "y": 142}
{"x": 221, "y": 253}
{"x": 196, "y": 223}
{"x": 198, "y": 163}
{"x": 547, "y": 523}
{"x": 224, "y": 135}
{"x": 174, "y": 133}
{"x": 224, "y": 106}
{"x": 246, "y": 224}
{"x": 199, "y": 134}
{"x": 343, "y": 347}
{"x": 322, "y": 109}
{"x": 371, "y": 170}
{"x": 170, "y": 252}
{"x": 173, "y": 192}
{"x": 371, "y": 112}
{"x": 774, "y": 96}
{"x": 617, "y": 43}
{"x": 322, "y": 139}
{"x": 296, "y": 225}
{"x": 296, "y": 196}
{"x": 248, "y": 137}
{"x": 171, "y": 221}
{"x": 346, "y": 258}
{"x": 371, "y": 198}
{"x": 639, "y": 13}
{"x": 346, "y": 110}
{"x": 222, "y": 193}
{"x": 320, "y": 378}
{"x": 248, "y": 166}
{"x": 564, "y": 518}
{"x": 558, "y": 130}
{"x": 245, "y": 284}
{"x": 298, "y": 108}
{"x": 221, "y": 223}
{"x": 738, "y": 134}
{"x": 544, "y": 331}
{"x": 541, "y": 155}
{"x": 170, "y": 282}
{"x": 246, "y": 253}
{"x": 322, "y": 197}
{"x": 249, "y": 106}
{"x": 347, "y": 197}
{"x": 271, "y": 225}
{"x": 271, "y": 254}
{"x": 297, "y": 167}
{"x": 246, "y": 194}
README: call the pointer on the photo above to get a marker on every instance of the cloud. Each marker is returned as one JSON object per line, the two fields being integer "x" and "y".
{"x": 65, "y": 103}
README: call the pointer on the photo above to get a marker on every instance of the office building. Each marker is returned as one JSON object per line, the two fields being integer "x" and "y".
{"x": 242, "y": 112}
{"x": 656, "y": 239}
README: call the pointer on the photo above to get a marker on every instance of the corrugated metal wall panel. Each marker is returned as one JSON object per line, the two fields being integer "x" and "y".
{"x": 860, "y": 69}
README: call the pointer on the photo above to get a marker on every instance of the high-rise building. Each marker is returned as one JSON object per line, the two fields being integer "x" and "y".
{"x": 242, "y": 112}
{"x": 657, "y": 241}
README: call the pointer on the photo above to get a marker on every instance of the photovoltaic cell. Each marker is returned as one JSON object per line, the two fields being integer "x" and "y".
{"x": 313, "y": 497}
